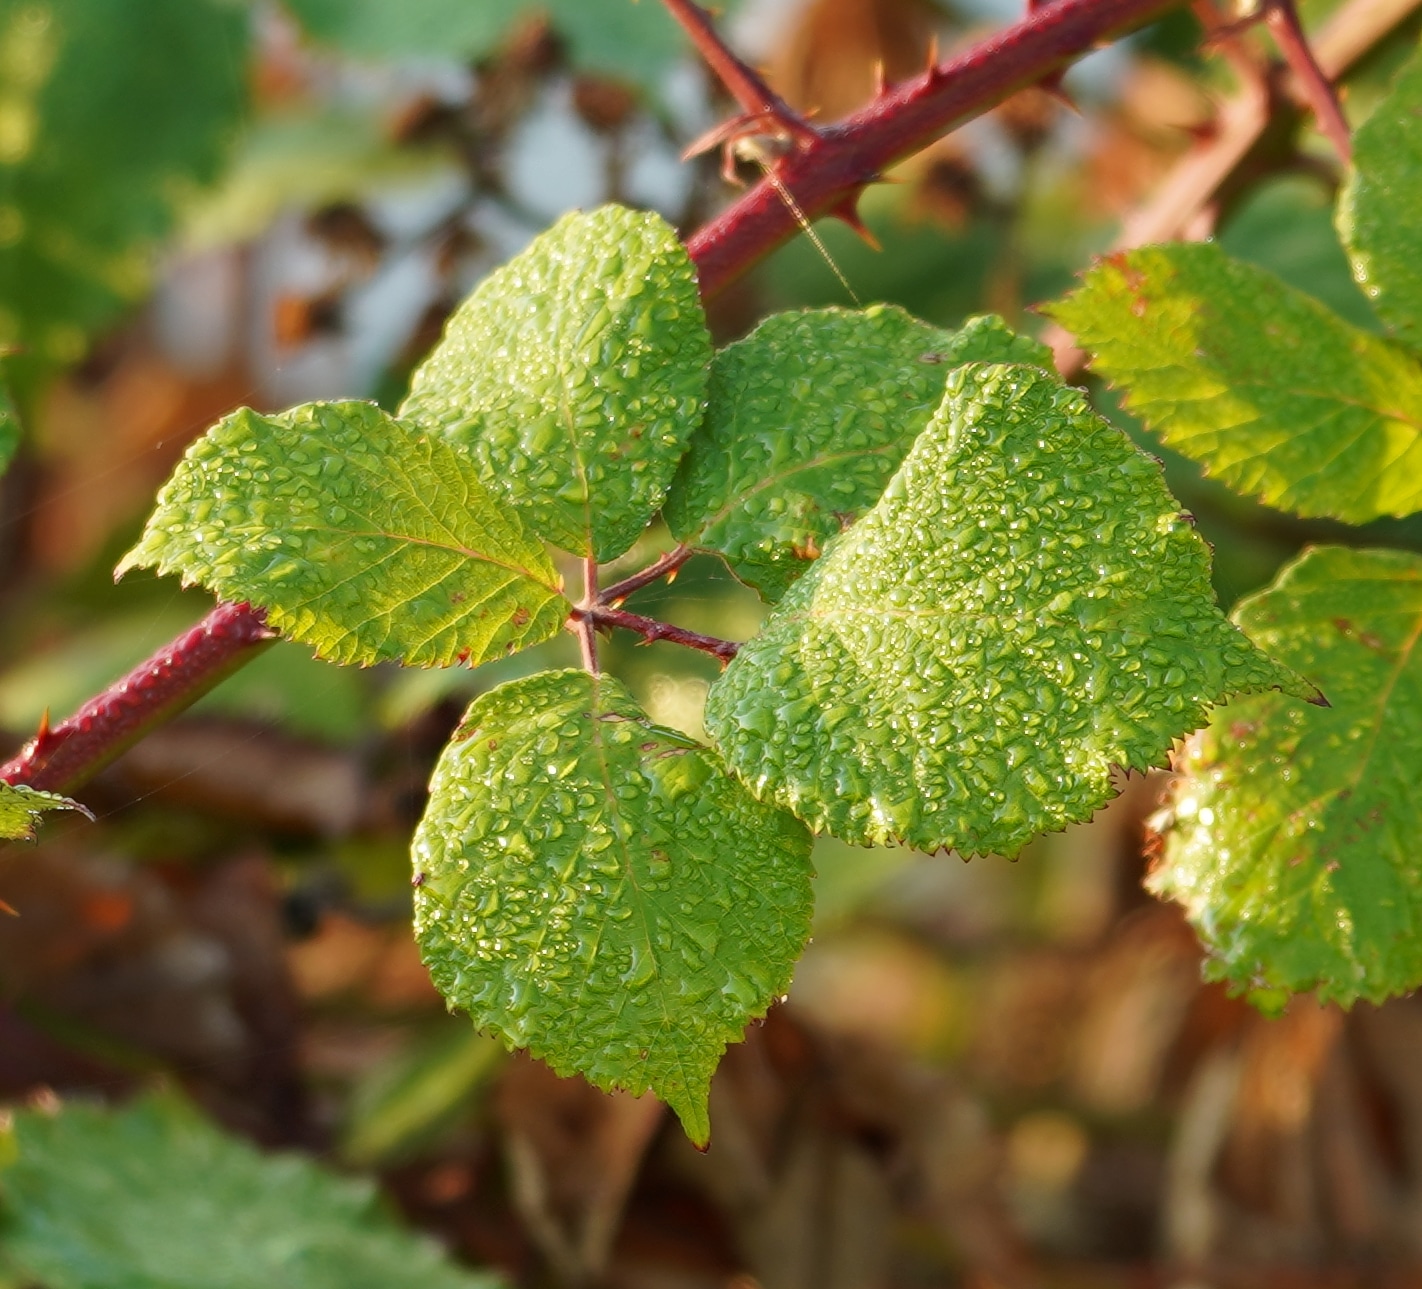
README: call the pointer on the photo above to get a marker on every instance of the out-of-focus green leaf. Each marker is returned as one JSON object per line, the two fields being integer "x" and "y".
{"x": 382, "y": 30}
{"x": 407, "y": 1100}
{"x": 633, "y": 40}
{"x": 1380, "y": 209}
{"x": 599, "y": 890}
{"x": 1293, "y": 845}
{"x": 110, "y": 114}
{"x": 9, "y": 419}
{"x": 21, "y": 808}
{"x": 575, "y": 375}
{"x": 1025, "y": 609}
{"x": 1286, "y": 226}
{"x": 809, "y": 416}
{"x": 1262, "y": 385}
{"x": 360, "y": 536}
{"x": 303, "y": 160}
{"x": 153, "y": 1195}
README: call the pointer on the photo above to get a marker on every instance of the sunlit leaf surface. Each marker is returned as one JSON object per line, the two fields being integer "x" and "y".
{"x": 599, "y": 890}
{"x": 1293, "y": 845}
{"x": 809, "y": 416}
{"x": 1262, "y": 385}
{"x": 21, "y": 808}
{"x": 575, "y": 375}
{"x": 1380, "y": 208}
{"x": 358, "y": 535}
{"x": 1023, "y": 610}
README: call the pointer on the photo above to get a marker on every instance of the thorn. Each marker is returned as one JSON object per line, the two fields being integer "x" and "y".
{"x": 881, "y": 84}
{"x": 671, "y": 575}
{"x": 9, "y": 908}
{"x": 1052, "y": 84}
{"x": 44, "y": 733}
{"x": 932, "y": 68}
{"x": 618, "y": 602}
{"x": 847, "y": 212}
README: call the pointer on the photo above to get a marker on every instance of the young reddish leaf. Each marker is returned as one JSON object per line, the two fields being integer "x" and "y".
{"x": 1292, "y": 840}
{"x": 599, "y": 890}
{"x": 1024, "y": 610}
{"x": 359, "y": 535}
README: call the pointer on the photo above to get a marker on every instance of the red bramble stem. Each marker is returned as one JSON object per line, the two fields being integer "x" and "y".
{"x": 76, "y": 749}
{"x": 826, "y": 172}
{"x": 666, "y": 566}
{"x": 651, "y": 629}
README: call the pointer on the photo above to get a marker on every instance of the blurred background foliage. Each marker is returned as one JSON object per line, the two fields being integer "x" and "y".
{"x": 985, "y": 1074}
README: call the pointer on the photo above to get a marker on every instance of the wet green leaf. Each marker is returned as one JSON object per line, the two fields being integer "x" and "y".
{"x": 359, "y": 535}
{"x": 1023, "y": 610}
{"x": 154, "y": 1195}
{"x": 599, "y": 890}
{"x": 576, "y": 374}
{"x": 21, "y": 808}
{"x": 113, "y": 113}
{"x": 1262, "y": 385}
{"x": 809, "y": 416}
{"x": 1293, "y": 845}
{"x": 1380, "y": 208}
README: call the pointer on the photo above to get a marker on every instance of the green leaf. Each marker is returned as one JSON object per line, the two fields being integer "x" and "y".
{"x": 358, "y": 535}
{"x": 1259, "y": 383}
{"x": 632, "y": 40}
{"x": 381, "y": 30}
{"x": 809, "y": 416}
{"x": 1380, "y": 208}
{"x": 153, "y": 1195}
{"x": 1293, "y": 845}
{"x": 576, "y": 374}
{"x": 1024, "y": 609}
{"x": 9, "y": 419}
{"x": 598, "y": 890}
{"x": 21, "y": 808}
{"x": 113, "y": 114}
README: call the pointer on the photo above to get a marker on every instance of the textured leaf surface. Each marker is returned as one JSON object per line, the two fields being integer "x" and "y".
{"x": 600, "y": 891}
{"x": 575, "y": 374}
{"x": 1262, "y": 385}
{"x": 21, "y": 808}
{"x": 360, "y": 536}
{"x": 154, "y": 1196}
{"x": 809, "y": 417}
{"x": 1024, "y": 610}
{"x": 1294, "y": 842}
{"x": 111, "y": 113}
{"x": 1380, "y": 208}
